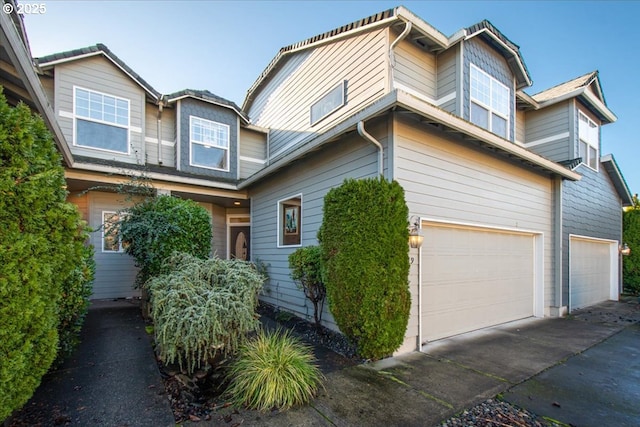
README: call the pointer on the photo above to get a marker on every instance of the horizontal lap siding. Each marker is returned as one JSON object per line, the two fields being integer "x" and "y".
{"x": 99, "y": 74}
{"x": 548, "y": 123}
{"x": 450, "y": 180}
{"x": 313, "y": 177}
{"x": 283, "y": 105}
{"x": 520, "y": 126}
{"x": 415, "y": 68}
{"x": 168, "y": 136}
{"x": 252, "y": 145}
{"x": 447, "y": 75}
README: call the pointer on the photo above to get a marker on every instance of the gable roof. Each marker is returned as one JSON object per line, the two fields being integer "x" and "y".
{"x": 49, "y": 61}
{"x": 424, "y": 34}
{"x": 206, "y": 96}
{"x": 510, "y": 50}
{"x": 581, "y": 88}
{"x": 612, "y": 168}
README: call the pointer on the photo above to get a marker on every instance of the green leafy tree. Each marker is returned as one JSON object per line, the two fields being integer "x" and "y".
{"x": 40, "y": 245}
{"x": 631, "y": 236}
{"x": 158, "y": 226}
{"x": 364, "y": 239}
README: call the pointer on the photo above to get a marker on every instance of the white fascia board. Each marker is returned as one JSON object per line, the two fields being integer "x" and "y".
{"x": 590, "y": 98}
{"x": 439, "y": 115}
{"x": 608, "y": 158}
{"x": 210, "y": 101}
{"x": 92, "y": 167}
{"x": 24, "y": 65}
{"x": 425, "y": 28}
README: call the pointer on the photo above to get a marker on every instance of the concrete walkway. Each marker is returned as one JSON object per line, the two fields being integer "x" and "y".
{"x": 539, "y": 364}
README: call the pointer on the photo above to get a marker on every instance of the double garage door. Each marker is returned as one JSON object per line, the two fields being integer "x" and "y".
{"x": 475, "y": 277}
{"x": 593, "y": 271}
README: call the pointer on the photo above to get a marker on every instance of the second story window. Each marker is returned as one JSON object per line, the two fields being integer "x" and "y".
{"x": 209, "y": 144}
{"x": 588, "y": 142}
{"x": 489, "y": 102}
{"x": 330, "y": 102}
{"x": 101, "y": 121}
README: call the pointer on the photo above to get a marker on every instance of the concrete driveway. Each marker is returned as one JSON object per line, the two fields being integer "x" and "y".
{"x": 583, "y": 370}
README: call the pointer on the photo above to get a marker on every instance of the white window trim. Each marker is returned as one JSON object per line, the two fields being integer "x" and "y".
{"x": 342, "y": 85}
{"x": 191, "y": 142}
{"x": 589, "y": 144}
{"x": 120, "y": 248}
{"x": 102, "y": 122}
{"x": 488, "y": 107}
{"x": 279, "y": 213}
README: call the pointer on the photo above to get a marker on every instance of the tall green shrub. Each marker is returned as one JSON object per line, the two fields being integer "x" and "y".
{"x": 203, "y": 307}
{"x": 307, "y": 269}
{"x": 364, "y": 241}
{"x": 158, "y": 226}
{"x": 631, "y": 236}
{"x": 39, "y": 234}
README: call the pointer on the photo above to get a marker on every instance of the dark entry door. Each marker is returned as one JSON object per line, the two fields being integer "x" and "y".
{"x": 239, "y": 242}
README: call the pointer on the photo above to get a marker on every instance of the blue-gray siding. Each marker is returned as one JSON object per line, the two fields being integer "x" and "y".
{"x": 447, "y": 77}
{"x": 590, "y": 207}
{"x": 203, "y": 110}
{"x": 551, "y": 124}
{"x": 481, "y": 55}
{"x": 313, "y": 177}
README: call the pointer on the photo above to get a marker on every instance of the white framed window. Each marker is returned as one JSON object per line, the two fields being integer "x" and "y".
{"x": 208, "y": 144}
{"x": 110, "y": 237}
{"x": 290, "y": 221}
{"x": 490, "y": 102}
{"x": 330, "y": 102}
{"x": 101, "y": 121}
{"x": 588, "y": 142}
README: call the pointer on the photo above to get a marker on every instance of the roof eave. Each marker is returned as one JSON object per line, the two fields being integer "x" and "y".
{"x": 23, "y": 63}
{"x": 612, "y": 168}
{"x": 210, "y": 101}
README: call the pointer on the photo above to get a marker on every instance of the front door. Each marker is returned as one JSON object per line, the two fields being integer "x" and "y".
{"x": 239, "y": 242}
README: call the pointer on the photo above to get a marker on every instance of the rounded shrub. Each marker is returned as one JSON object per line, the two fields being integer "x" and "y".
{"x": 39, "y": 248}
{"x": 203, "y": 307}
{"x": 273, "y": 370}
{"x": 364, "y": 239}
{"x": 158, "y": 226}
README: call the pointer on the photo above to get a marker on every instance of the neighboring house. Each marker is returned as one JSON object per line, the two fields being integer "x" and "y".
{"x": 563, "y": 124}
{"x": 514, "y": 225}
{"x": 191, "y": 144}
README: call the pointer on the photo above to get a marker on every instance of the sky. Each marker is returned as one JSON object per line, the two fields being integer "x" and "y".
{"x": 223, "y": 46}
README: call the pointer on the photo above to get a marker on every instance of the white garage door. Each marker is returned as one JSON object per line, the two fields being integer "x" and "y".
{"x": 592, "y": 271}
{"x": 473, "y": 278}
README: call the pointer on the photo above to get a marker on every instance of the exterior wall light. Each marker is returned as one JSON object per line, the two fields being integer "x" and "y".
{"x": 415, "y": 234}
{"x": 625, "y": 250}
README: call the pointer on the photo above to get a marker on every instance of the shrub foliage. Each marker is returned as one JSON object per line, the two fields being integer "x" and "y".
{"x": 40, "y": 245}
{"x": 364, "y": 239}
{"x": 274, "y": 369}
{"x": 202, "y": 307}
{"x": 158, "y": 226}
{"x": 307, "y": 269}
{"x": 631, "y": 236}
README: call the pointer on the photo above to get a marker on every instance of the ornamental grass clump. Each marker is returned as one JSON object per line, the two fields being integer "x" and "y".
{"x": 202, "y": 308}
{"x": 273, "y": 370}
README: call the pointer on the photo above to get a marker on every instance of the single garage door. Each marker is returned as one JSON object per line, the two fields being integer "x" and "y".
{"x": 592, "y": 271}
{"x": 473, "y": 278}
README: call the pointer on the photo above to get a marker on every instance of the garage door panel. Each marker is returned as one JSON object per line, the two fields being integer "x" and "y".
{"x": 473, "y": 278}
{"x": 591, "y": 271}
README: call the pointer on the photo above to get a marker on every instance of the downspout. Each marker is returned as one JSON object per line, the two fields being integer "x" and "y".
{"x": 160, "y": 105}
{"x": 559, "y": 243}
{"x": 363, "y": 133}
{"x": 392, "y": 58}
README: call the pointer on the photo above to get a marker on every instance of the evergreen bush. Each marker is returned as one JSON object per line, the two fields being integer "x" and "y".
{"x": 364, "y": 239}
{"x": 74, "y": 304}
{"x": 158, "y": 226}
{"x": 39, "y": 236}
{"x": 307, "y": 269}
{"x": 631, "y": 236}
{"x": 273, "y": 370}
{"x": 203, "y": 307}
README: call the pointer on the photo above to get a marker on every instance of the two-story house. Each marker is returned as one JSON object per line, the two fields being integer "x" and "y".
{"x": 445, "y": 117}
{"x": 520, "y": 212}
{"x": 190, "y": 144}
